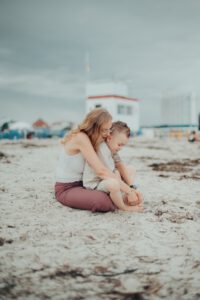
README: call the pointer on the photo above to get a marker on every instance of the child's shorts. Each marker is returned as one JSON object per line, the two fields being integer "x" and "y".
{"x": 102, "y": 187}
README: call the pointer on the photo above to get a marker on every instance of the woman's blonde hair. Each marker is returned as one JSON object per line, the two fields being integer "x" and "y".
{"x": 91, "y": 125}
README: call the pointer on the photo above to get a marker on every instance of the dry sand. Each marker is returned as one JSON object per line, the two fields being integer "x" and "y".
{"x": 48, "y": 251}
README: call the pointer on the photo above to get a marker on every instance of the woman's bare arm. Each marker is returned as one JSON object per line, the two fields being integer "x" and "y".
{"x": 84, "y": 145}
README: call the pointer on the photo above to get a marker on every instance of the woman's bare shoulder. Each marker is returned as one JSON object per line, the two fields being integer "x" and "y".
{"x": 82, "y": 137}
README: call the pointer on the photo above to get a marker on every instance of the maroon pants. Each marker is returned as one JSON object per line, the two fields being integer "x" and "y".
{"x": 76, "y": 196}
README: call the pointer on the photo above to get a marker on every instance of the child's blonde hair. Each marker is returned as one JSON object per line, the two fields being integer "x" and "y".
{"x": 91, "y": 125}
{"x": 119, "y": 127}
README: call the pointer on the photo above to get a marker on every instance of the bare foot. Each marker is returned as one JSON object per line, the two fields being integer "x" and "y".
{"x": 135, "y": 208}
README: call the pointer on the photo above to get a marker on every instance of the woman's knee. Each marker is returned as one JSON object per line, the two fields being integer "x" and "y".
{"x": 102, "y": 203}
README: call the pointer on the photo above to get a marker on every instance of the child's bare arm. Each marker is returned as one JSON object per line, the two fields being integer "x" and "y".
{"x": 127, "y": 173}
{"x": 135, "y": 197}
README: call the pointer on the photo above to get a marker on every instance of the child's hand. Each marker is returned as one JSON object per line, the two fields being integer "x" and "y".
{"x": 133, "y": 198}
{"x": 140, "y": 197}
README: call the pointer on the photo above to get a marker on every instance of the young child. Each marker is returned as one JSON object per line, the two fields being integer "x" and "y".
{"x": 108, "y": 154}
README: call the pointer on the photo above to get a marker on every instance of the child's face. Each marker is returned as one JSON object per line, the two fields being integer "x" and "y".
{"x": 116, "y": 141}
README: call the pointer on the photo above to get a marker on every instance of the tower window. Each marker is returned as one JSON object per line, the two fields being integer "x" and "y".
{"x": 124, "y": 109}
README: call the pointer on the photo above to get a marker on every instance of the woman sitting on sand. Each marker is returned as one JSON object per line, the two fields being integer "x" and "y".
{"x": 80, "y": 146}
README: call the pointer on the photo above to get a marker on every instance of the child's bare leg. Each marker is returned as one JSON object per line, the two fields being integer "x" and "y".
{"x": 135, "y": 208}
{"x": 113, "y": 187}
{"x": 117, "y": 173}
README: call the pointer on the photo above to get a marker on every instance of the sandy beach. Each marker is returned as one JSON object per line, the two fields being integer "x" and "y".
{"x": 48, "y": 251}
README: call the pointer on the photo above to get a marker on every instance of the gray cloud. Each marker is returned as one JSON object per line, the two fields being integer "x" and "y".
{"x": 153, "y": 45}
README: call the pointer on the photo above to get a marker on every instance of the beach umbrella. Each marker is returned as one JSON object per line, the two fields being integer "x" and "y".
{"x": 21, "y": 126}
{"x": 5, "y": 124}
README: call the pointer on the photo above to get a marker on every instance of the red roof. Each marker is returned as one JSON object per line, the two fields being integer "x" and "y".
{"x": 112, "y": 96}
{"x": 40, "y": 123}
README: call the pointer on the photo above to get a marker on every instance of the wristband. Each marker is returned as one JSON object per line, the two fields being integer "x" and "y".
{"x": 133, "y": 186}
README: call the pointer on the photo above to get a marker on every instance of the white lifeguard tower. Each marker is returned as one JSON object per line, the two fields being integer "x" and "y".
{"x": 113, "y": 97}
{"x": 179, "y": 109}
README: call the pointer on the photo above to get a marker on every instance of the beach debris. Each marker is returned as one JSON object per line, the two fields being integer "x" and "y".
{"x": 3, "y": 189}
{"x": 10, "y": 226}
{"x": 196, "y": 265}
{"x": 148, "y": 259}
{"x": 180, "y": 217}
{"x": 144, "y": 158}
{"x": 157, "y": 148}
{"x": 125, "y": 295}
{"x": 2, "y": 241}
{"x": 90, "y": 237}
{"x": 23, "y": 237}
{"x": 65, "y": 271}
{"x": 6, "y": 287}
{"x": 172, "y": 166}
{"x": 152, "y": 286}
{"x": 7, "y": 161}
{"x": 194, "y": 176}
{"x": 176, "y": 166}
{"x": 163, "y": 175}
{"x": 33, "y": 145}
{"x": 160, "y": 212}
{"x": 109, "y": 274}
{"x": 78, "y": 272}
{"x": 3, "y": 155}
{"x": 132, "y": 289}
{"x": 5, "y": 241}
{"x": 100, "y": 269}
{"x": 164, "y": 202}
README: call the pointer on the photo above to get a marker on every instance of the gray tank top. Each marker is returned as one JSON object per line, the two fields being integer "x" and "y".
{"x": 69, "y": 167}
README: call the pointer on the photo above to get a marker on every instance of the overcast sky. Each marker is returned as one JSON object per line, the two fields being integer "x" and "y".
{"x": 152, "y": 45}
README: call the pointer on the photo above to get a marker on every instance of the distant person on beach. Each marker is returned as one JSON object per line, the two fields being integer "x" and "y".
{"x": 79, "y": 146}
{"x": 193, "y": 136}
{"x": 108, "y": 154}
